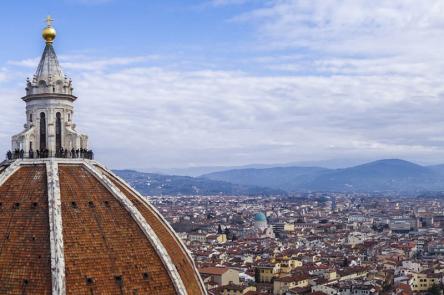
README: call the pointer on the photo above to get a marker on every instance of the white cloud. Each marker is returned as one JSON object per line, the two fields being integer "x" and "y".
{"x": 82, "y": 62}
{"x": 3, "y": 76}
{"x": 336, "y": 79}
{"x": 88, "y": 64}
{"x": 28, "y": 63}
{"x": 146, "y": 116}
{"x": 90, "y": 2}
{"x": 228, "y": 2}
{"x": 173, "y": 118}
{"x": 373, "y": 27}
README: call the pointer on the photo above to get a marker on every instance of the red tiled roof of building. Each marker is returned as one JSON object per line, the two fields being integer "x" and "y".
{"x": 403, "y": 289}
{"x": 293, "y": 278}
{"x": 214, "y": 270}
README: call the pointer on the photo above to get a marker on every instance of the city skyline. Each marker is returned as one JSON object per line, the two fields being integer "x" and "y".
{"x": 226, "y": 83}
{"x": 213, "y": 147}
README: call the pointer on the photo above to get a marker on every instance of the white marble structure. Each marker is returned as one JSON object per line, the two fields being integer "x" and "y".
{"x": 49, "y": 108}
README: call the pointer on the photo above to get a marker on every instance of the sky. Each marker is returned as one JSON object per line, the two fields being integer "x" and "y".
{"x": 177, "y": 84}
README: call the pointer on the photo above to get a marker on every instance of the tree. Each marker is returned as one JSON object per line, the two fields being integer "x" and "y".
{"x": 434, "y": 290}
{"x": 345, "y": 262}
{"x": 257, "y": 275}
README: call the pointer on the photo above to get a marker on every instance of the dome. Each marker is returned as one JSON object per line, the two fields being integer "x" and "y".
{"x": 70, "y": 226}
{"x": 260, "y": 217}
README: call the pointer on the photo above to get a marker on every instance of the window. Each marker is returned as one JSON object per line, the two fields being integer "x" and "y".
{"x": 58, "y": 131}
{"x": 42, "y": 131}
{"x": 146, "y": 276}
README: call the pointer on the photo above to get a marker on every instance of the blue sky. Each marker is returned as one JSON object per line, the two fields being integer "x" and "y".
{"x": 233, "y": 82}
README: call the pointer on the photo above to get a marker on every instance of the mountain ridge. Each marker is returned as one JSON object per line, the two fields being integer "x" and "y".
{"x": 159, "y": 184}
{"x": 387, "y": 175}
{"x": 377, "y": 176}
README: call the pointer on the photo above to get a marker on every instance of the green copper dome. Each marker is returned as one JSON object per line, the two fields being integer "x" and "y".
{"x": 260, "y": 217}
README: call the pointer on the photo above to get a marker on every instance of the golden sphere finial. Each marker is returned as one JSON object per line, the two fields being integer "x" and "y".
{"x": 49, "y": 33}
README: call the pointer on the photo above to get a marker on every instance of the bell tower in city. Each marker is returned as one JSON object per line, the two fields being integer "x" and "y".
{"x": 49, "y": 107}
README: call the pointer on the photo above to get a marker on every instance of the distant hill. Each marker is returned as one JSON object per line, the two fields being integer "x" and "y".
{"x": 437, "y": 168}
{"x": 383, "y": 175}
{"x": 390, "y": 175}
{"x": 157, "y": 184}
{"x": 378, "y": 176}
{"x": 285, "y": 178}
{"x": 200, "y": 170}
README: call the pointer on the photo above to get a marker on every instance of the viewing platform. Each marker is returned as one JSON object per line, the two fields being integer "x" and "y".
{"x": 43, "y": 154}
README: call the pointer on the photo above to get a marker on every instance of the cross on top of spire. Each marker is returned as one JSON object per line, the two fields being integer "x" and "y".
{"x": 49, "y": 33}
{"x": 49, "y": 20}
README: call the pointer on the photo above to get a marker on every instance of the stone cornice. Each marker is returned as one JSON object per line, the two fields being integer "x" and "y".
{"x": 49, "y": 96}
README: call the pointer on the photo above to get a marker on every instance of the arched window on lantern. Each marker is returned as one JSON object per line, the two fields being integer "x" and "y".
{"x": 58, "y": 132}
{"x": 42, "y": 131}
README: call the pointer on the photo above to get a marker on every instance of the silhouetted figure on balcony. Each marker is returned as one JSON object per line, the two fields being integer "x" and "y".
{"x": 44, "y": 153}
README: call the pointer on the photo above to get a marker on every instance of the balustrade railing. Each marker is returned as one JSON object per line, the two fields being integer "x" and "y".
{"x": 43, "y": 154}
